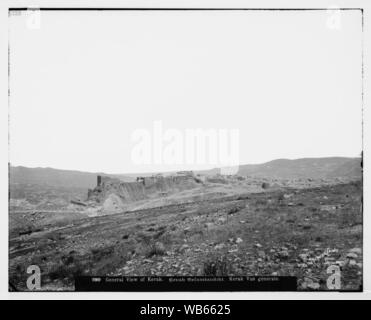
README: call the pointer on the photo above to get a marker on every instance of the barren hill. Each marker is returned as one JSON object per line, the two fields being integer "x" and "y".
{"x": 55, "y": 177}
{"x": 310, "y": 168}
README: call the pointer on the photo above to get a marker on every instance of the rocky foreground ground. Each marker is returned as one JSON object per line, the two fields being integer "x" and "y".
{"x": 298, "y": 232}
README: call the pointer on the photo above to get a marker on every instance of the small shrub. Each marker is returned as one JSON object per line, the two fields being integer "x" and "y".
{"x": 159, "y": 233}
{"x": 234, "y": 210}
{"x": 62, "y": 271}
{"x": 243, "y": 197}
{"x": 265, "y": 185}
{"x": 198, "y": 180}
{"x": 165, "y": 238}
{"x": 217, "y": 266}
{"x": 156, "y": 249}
{"x": 261, "y": 202}
{"x": 146, "y": 239}
{"x": 99, "y": 253}
{"x": 194, "y": 230}
{"x": 281, "y": 197}
{"x": 67, "y": 260}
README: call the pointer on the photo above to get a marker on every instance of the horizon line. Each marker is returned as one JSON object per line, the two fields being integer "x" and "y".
{"x": 171, "y": 171}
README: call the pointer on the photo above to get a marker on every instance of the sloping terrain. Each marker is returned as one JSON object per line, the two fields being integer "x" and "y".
{"x": 285, "y": 231}
{"x": 285, "y": 217}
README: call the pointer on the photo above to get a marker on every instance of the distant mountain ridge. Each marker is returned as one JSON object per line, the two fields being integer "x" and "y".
{"x": 52, "y": 177}
{"x": 314, "y": 168}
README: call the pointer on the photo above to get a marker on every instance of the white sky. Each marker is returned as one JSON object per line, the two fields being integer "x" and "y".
{"x": 83, "y": 82}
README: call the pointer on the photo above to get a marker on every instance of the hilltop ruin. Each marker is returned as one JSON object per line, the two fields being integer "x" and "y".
{"x": 114, "y": 193}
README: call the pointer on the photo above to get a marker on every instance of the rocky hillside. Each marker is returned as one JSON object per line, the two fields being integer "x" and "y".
{"x": 114, "y": 194}
{"x": 298, "y": 232}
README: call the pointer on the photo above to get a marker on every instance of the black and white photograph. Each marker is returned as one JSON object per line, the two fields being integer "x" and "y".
{"x": 186, "y": 149}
